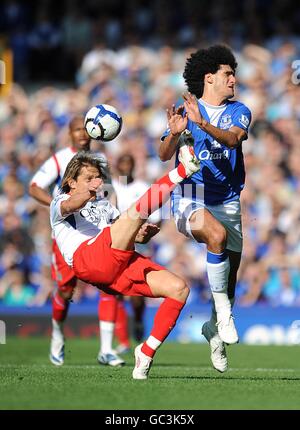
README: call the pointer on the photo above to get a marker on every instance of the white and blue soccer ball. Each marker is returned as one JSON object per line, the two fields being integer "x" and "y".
{"x": 103, "y": 122}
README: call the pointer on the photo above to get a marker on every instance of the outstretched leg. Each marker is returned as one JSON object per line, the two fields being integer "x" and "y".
{"x": 124, "y": 230}
{"x": 120, "y": 237}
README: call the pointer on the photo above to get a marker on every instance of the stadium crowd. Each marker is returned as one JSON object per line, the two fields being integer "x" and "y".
{"x": 142, "y": 78}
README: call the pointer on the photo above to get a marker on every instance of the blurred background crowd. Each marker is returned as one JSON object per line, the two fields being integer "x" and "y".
{"x": 70, "y": 55}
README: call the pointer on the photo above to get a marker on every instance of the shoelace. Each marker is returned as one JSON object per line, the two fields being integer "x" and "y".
{"x": 223, "y": 323}
{"x": 221, "y": 348}
{"x": 145, "y": 364}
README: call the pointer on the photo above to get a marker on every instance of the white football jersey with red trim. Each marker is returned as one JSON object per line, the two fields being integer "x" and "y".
{"x": 52, "y": 170}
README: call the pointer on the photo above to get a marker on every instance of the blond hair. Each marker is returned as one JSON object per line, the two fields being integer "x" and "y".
{"x": 73, "y": 170}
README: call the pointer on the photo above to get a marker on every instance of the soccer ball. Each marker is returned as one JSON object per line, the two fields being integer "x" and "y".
{"x": 103, "y": 122}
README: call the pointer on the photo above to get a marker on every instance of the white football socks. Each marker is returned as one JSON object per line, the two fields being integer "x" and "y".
{"x": 57, "y": 329}
{"x": 106, "y": 336}
{"x": 213, "y": 317}
{"x": 218, "y": 268}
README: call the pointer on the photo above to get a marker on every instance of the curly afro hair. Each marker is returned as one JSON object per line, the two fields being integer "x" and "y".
{"x": 206, "y": 61}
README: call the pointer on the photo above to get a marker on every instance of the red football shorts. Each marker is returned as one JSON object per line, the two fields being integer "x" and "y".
{"x": 123, "y": 272}
{"x": 60, "y": 271}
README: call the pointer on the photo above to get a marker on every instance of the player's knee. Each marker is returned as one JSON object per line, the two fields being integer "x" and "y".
{"x": 218, "y": 239}
{"x": 180, "y": 289}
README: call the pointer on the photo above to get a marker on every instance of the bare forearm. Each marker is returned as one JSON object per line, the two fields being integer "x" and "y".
{"x": 75, "y": 202}
{"x": 39, "y": 194}
{"x": 231, "y": 138}
{"x": 225, "y": 137}
{"x": 168, "y": 147}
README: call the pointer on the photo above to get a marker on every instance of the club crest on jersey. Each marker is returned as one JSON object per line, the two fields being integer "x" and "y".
{"x": 226, "y": 121}
{"x": 244, "y": 120}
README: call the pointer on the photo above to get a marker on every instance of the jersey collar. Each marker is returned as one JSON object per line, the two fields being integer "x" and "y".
{"x": 205, "y": 104}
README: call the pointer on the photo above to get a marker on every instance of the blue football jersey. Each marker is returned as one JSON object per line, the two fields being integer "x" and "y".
{"x": 222, "y": 171}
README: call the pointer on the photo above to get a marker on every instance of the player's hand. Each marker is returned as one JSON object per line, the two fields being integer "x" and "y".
{"x": 93, "y": 187}
{"x": 176, "y": 120}
{"x": 192, "y": 109}
{"x": 146, "y": 232}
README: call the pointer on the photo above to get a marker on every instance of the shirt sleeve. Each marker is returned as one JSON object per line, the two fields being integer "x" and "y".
{"x": 165, "y": 134}
{"x": 55, "y": 208}
{"x": 241, "y": 118}
{"x": 46, "y": 175}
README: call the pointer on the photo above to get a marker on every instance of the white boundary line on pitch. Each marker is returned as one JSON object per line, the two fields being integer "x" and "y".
{"x": 95, "y": 366}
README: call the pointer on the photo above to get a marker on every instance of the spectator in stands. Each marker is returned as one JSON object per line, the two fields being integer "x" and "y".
{"x": 14, "y": 291}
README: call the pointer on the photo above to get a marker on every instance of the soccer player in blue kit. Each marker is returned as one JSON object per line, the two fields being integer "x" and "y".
{"x": 206, "y": 206}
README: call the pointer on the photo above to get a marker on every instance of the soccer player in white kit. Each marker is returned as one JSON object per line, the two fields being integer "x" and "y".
{"x": 50, "y": 174}
{"x": 99, "y": 245}
{"x": 206, "y": 207}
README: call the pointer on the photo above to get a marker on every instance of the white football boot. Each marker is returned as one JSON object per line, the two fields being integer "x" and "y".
{"x": 187, "y": 154}
{"x": 217, "y": 348}
{"x": 226, "y": 328}
{"x": 143, "y": 364}
{"x": 110, "y": 359}
{"x": 57, "y": 350}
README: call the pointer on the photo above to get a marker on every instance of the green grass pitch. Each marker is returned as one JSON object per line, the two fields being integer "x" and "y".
{"x": 259, "y": 377}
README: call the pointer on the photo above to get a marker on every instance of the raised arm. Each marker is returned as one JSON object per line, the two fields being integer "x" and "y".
{"x": 79, "y": 199}
{"x": 39, "y": 194}
{"x": 39, "y": 185}
{"x": 231, "y": 138}
{"x": 177, "y": 122}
